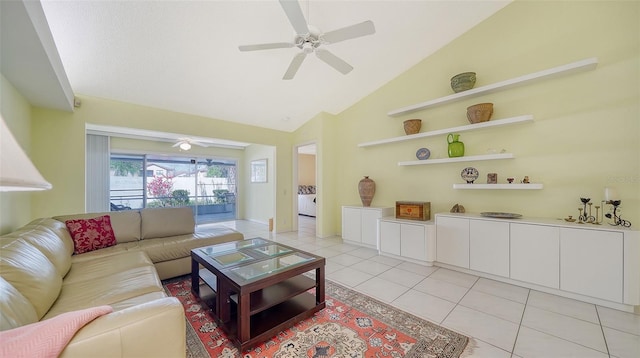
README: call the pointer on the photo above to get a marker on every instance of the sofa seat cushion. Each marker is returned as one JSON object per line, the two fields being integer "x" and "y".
{"x": 166, "y": 222}
{"x": 89, "y": 270}
{"x": 28, "y": 270}
{"x": 138, "y": 300}
{"x": 125, "y": 224}
{"x": 106, "y": 290}
{"x": 172, "y": 248}
{"x": 109, "y": 251}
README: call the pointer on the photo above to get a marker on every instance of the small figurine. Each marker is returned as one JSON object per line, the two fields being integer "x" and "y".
{"x": 492, "y": 178}
{"x": 525, "y": 180}
{"x": 510, "y": 180}
{"x": 457, "y": 209}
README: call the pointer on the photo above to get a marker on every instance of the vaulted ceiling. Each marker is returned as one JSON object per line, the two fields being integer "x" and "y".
{"x": 183, "y": 55}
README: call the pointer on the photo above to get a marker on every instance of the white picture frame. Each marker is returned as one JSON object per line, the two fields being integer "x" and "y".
{"x": 259, "y": 171}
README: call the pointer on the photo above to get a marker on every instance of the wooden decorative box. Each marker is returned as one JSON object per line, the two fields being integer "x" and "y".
{"x": 413, "y": 210}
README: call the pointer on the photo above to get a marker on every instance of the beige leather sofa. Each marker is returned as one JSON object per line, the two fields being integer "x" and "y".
{"x": 166, "y": 235}
{"x": 41, "y": 278}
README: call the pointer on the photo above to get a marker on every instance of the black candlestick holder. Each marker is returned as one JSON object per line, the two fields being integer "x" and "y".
{"x": 586, "y": 217}
{"x": 617, "y": 219}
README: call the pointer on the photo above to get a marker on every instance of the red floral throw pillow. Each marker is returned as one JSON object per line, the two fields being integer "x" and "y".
{"x": 91, "y": 234}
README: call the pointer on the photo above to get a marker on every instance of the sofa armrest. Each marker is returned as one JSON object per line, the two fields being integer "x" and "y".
{"x": 153, "y": 329}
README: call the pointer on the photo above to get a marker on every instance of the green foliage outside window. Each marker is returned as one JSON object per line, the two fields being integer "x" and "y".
{"x": 123, "y": 168}
{"x": 180, "y": 197}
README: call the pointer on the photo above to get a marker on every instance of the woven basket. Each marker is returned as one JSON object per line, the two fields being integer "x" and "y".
{"x": 463, "y": 81}
{"x": 412, "y": 126}
{"x": 480, "y": 112}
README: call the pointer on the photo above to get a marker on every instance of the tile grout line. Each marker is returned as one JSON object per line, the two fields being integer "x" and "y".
{"x": 515, "y": 341}
{"x": 604, "y": 337}
{"x": 458, "y": 303}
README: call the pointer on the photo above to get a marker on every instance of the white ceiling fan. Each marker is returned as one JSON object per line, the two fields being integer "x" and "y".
{"x": 309, "y": 39}
{"x": 185, "y": 143}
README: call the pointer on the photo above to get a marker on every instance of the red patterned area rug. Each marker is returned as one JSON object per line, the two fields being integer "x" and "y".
{"x": 351, "y": 325}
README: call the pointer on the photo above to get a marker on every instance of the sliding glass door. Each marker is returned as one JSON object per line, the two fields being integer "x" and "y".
{"x": 208, "y": 186}
{"x": 126, "y": 182}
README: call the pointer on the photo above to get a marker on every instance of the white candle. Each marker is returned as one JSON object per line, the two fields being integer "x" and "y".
{"x": 610, "y": 194}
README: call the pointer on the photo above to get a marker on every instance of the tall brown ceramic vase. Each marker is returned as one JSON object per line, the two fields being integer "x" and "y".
{"x": 366, "y": 189}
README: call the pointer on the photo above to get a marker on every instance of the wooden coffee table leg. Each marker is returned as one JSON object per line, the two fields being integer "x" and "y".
{"x": 320, "y": 284}
{"x": 244, "y": 325}
{"x": 195, "y": 278}
{"x": 223, "y": 302}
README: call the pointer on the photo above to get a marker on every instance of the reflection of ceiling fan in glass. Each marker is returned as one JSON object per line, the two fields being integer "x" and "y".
{"x": 185, "y": 143}
{"x": 309, "y": 39}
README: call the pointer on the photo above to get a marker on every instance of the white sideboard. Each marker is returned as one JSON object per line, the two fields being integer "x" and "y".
{"x": 594, "y": 263}
{"x": 360, "y": 224}
{"x": 409, "y": 240}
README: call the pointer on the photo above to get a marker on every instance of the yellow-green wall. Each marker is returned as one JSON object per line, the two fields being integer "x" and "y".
{"x": 15, "y": 207}
{"x": 585, "y": 135}
{"x": 259, "y": 197}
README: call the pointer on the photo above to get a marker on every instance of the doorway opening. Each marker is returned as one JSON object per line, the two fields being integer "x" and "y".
{"x": 305, "y": 180}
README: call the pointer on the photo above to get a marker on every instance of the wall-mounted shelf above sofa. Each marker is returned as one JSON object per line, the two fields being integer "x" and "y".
{"x": 473, "y": 158}
{"x": 530, "y": 186}
{"x": 579, "y": 66}
{"x": 465, "y": 128}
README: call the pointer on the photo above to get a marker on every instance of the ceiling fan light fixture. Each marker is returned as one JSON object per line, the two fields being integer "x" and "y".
{"x": 185, "y": 146}
{"x": 308, "y": 47}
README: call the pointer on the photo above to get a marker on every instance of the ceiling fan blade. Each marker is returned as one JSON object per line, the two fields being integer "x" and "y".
{"x": 350, "y": 32}
{"x": 296, "y": 18}
{"x": 334, "y": 61}
{"x": 294, "y": 66}
{"x": 195, "y": 142}
{"x": 268, "y": 46}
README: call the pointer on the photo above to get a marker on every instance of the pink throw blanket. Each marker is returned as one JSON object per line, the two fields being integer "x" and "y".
{"x": 47, "y": 338}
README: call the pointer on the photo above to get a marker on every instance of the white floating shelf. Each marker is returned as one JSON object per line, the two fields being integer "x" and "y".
{"x": 530, "y": 186}
{"x": 574, "y": 67}
{"x": 465, "y": 128}
{"x": 473, "y": 158}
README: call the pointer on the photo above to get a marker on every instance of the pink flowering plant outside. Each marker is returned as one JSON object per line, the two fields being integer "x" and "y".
{"x": 160, "y": 187}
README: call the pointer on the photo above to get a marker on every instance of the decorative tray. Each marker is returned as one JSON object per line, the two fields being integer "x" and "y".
{"x": 490, "y": 214}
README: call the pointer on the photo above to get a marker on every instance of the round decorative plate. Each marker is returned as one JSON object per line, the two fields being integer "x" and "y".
{"x": 423, "y": 153}
{"x": 500, "y": 215}
{"x": 469, "y": 174}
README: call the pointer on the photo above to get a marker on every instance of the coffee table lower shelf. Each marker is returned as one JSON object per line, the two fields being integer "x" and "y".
{"x": 272, "y": 308}
{"x": 267, "y": 323}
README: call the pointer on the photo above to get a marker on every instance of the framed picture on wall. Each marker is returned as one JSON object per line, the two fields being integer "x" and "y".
{"x": 259, "y": 171}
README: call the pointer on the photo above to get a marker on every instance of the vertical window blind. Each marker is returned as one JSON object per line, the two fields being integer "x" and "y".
{"x": 97, "y": 174}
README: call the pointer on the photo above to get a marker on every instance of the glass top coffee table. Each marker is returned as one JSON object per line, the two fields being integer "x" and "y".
{"x": 256, "y": 287}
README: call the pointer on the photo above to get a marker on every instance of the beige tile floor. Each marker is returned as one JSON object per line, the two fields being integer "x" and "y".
{"x": 504, "y": 320}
